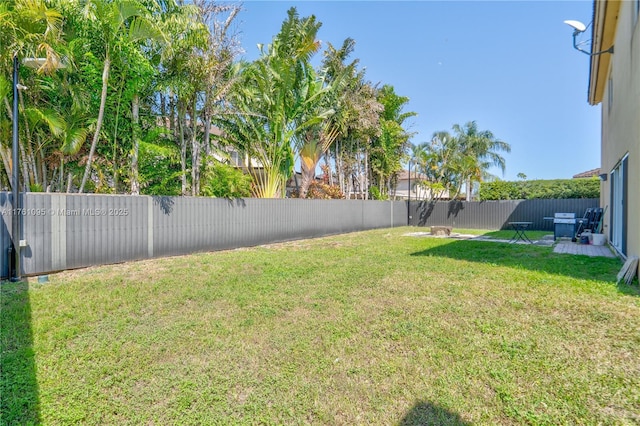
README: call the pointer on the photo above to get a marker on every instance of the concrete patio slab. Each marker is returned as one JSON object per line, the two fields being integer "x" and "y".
{"x": 566, "y": 246}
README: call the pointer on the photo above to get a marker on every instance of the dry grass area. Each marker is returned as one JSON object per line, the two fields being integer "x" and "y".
{"x": 365, "y": 328}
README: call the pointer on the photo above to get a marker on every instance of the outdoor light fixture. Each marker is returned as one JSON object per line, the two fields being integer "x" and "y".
{"x": 603, "y": 177}
{"x": 409, "y": 197}
{"x": 579, "y": 28}
{"x": 16, "y": 216}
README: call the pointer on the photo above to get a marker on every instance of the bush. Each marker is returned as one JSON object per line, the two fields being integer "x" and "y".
{"x": 322, "y": 191}
{"x": 527, "y": 190}
{"x": 222, "y": 180}
{"x": 375, "y": 194}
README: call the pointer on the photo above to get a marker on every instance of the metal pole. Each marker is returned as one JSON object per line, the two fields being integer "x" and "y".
{"x": 409, "y": 198}
{"x": 15, "y": 179}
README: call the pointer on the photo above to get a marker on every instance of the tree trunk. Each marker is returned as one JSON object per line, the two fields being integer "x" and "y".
{"x": 207, "y": 135}
{"x": 172, "y": 116}
{"x": 96, "y": 135}
{"x": 340, "y": 168}
{"x": 69, "y": 182}
{"x": 307, "y": 174}
{"x": 329, "y": 178}
{"x": 366, "y": 174}
{"x": 163, "y": 109}
{"x": 195, "y": 151}
{"x": 61, "y": 185}
{"x": 183, "y": 147}
{"x": 468, "y": 184}
{"x": 28, "y": 160}
{"x": 135, "y": 121}
{"x": 116, "y": 174}
{"x": 43, "y": 169}
{"x": 25, "y": 168}
{"x": 6, "y": 159}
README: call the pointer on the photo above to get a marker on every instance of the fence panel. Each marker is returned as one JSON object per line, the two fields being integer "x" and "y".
{"x": 496, "y": 214}
{"x": 65, "y": 231}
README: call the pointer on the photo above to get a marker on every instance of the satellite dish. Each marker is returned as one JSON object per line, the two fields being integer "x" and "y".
{"x": 576, "y": 25}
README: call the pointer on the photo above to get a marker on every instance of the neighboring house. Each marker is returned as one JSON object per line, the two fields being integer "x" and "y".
{"x": 418, "y": 190}
{"x": 614, "y": 81}
{"x": 294, "y": 182}
{"x": 587, "y": 174}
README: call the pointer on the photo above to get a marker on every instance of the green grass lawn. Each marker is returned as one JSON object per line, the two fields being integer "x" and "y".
{"x": 365, "y": 328}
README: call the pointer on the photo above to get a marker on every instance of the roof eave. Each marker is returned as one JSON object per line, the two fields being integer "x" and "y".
{"x": 605, "y": 20}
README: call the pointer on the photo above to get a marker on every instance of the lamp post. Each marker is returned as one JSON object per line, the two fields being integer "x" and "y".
{"x": 409, "y": 197}
{"x": 16, "y": 217}
{"x": 15, "y": 183}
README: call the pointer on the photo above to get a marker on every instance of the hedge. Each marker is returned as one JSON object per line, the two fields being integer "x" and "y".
{"x": 527, "y": 190}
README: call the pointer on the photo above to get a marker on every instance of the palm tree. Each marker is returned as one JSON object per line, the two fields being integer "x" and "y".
{"x": 481, "y": 148}
{"x": 184, "y": 77}
{"x": 217, "y": 60}
{"x": 316, "y": 142}
{"x": 116, "y": 22}
{"x": 357, "y": 117}
{"x": 389, "y": 148}
{"x": 441, "y": 162}
{"x": 277, "y": 98}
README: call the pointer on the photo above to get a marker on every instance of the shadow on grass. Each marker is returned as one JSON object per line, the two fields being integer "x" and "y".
{"x": 427, "y": 413}
{"x": 19, "y": 404}
{"x": 533, "y": 258}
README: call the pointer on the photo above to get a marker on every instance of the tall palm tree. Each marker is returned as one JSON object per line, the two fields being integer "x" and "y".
{"x": 184, "y": 76}
{"x": 442, "y": 163}
{"x": 389, "y": 148}
{"x": 116, "y": 22}
{"x": 482, "y": 149}
{"x": 357, "y": 116}
{"x": 277, "y": 99}
{"x": 315, "y": 143}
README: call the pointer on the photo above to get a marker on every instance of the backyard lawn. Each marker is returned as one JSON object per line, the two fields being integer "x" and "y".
{"x": 365, "y": 328}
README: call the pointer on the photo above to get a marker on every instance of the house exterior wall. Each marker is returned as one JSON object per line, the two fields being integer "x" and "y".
{"x": 621, "y": 121}
{"x": 418, "y": 192}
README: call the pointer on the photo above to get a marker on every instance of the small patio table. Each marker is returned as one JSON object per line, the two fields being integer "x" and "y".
{"x": 520, "y": 229}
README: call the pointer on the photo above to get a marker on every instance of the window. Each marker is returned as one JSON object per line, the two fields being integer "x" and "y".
{"x": 636, "y": 11}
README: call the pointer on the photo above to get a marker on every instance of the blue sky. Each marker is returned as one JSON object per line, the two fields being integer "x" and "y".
{"x": 509, "y": 65}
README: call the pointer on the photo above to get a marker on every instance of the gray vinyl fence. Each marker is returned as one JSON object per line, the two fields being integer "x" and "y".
{"x": 65, "y": 231}
{"x": 496, "y": 214}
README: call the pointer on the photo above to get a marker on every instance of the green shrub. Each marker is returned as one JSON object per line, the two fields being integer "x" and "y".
{"x": 375, "y": 194}
{"x": 321, "y": 191}
{"x": 35, "y": 187}
{"x": 224, "y": 180}
{"x": 527, "y": 190}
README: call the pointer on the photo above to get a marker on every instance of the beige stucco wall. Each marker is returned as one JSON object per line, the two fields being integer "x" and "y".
{"x": 621, "y": 122}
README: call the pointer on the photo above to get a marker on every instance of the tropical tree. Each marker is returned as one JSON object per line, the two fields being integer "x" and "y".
{"x": 115, "y": 23}
{"x": 482, "y": 149}
{"x": 277, "y": 99}
{"x": 221, "y": 50}
{"x": 28, "y": 28}
{"x": 315, "y": 142}
{"x": 389, "y": 148}
{"x": 357, "y": 118}
{"x": 441, "y": 164}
